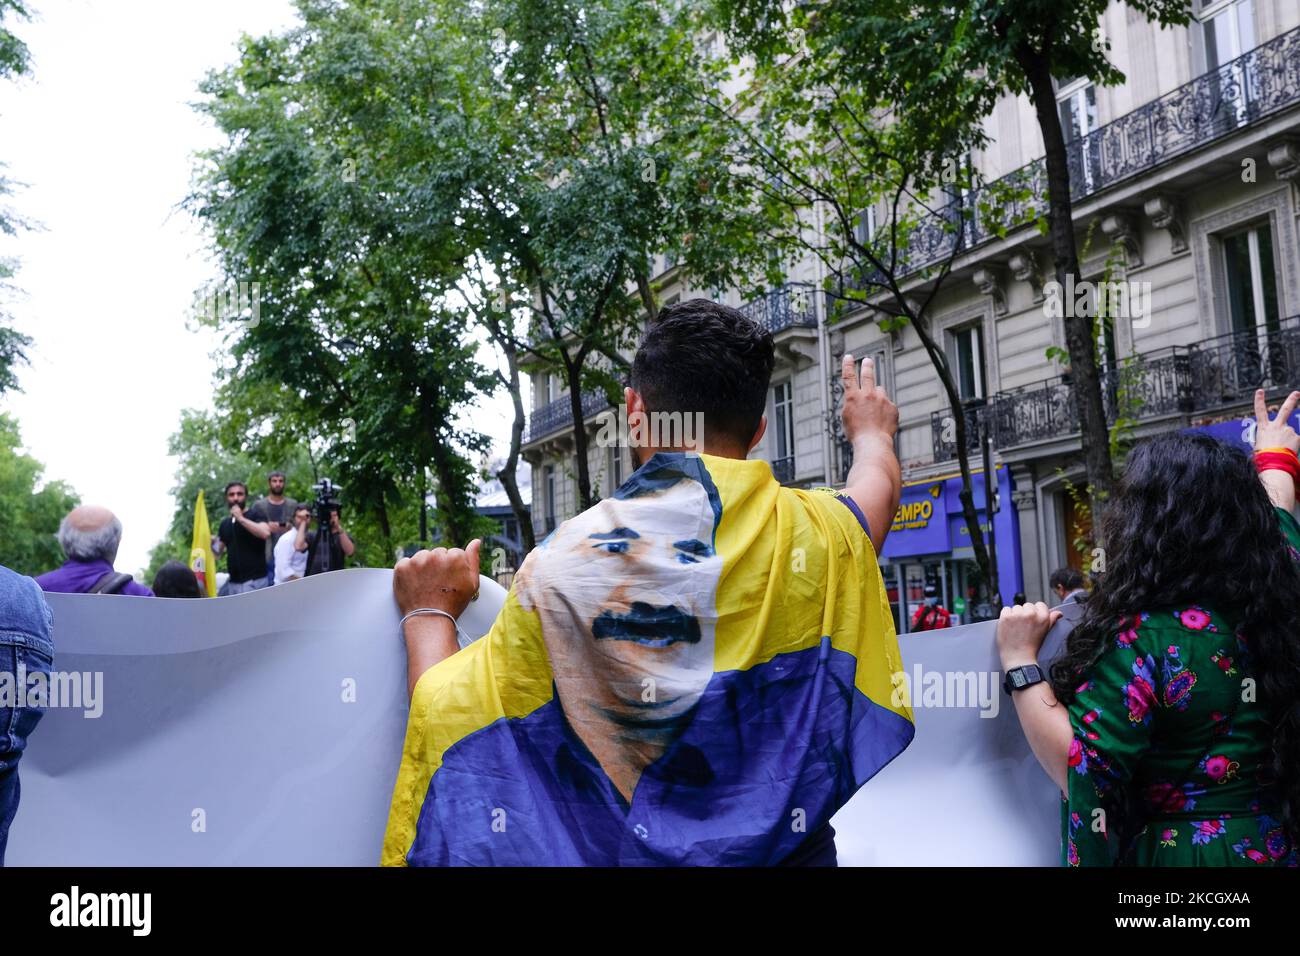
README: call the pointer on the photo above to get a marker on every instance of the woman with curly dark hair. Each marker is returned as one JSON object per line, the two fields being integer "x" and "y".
{"x": 1172, "y": 722}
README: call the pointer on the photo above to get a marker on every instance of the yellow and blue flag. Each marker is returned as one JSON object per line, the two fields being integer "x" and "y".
{"x": 698, "y": 670}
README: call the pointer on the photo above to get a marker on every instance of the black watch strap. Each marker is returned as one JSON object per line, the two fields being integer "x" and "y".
{"x": 1018, "y": 678}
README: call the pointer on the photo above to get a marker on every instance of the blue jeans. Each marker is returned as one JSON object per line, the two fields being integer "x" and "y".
{"x": 26, "y": 647}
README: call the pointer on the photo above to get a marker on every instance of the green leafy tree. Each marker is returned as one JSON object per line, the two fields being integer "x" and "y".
{"x": 400, "y": 171}
{"x": 355, "y": 355}
{"x": 950, "y": 61}
{"x": 14, "y": 61}
{"x": 615, "y": 157}
{"x": 820, "y": 154}
{"x": 30, "y": 510}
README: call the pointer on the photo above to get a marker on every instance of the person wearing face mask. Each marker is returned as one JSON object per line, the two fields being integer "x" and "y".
{"x": 931, "y": 616}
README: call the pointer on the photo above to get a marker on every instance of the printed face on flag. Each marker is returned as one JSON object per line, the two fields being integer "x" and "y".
{"x": 627, "y": 596}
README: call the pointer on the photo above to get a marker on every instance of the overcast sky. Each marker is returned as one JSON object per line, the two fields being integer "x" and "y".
{"x": 103, "y": 137}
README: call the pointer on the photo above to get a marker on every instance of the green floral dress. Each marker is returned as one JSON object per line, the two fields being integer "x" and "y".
{"x": 1169, "y": 719}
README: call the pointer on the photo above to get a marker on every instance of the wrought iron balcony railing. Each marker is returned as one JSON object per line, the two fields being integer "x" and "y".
{"x": 785, "y": 307}
{"x": 1144, "y": 386}
{"x": 1204, "y": 377}
{"x": 557, "y": 415}
{"x": 1228, "y": 368}
{"x": 845, "y": 451}
{"x": 783, "y": 469}
{"x": 1214, "y": 105}
{"x": 943, "y": 429}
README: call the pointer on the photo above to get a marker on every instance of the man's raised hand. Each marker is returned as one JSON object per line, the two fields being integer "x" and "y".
{"x": 867, "y": 408}
{"x": 445, "y": 578}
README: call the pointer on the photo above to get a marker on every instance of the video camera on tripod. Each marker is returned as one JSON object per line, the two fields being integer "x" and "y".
{"x": 320, "y": 556}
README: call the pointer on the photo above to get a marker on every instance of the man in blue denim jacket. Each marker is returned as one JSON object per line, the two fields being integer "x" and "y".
{"x": 26, "y": 647}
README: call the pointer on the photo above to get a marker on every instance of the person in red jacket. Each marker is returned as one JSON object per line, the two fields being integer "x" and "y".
{"x": 931, "y": 616}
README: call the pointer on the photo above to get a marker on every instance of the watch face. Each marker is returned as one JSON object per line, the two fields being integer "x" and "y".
{"x": 1018, "y": 678}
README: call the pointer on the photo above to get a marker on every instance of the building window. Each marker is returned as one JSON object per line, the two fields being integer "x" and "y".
{"x": 1076, "y": 102}
{"x": 783, "y": 416}
{"x": 615, "y": 468}
{"x": 968, "y": 364}
{"x": 958, "y": 186}
{"x": 548, "y": 483}
{"x": 878, "y": 358}
{"x": 1228, "y": 32}
{"x": 1252, "y": 282}
{"x": 1228, "y": 29}
{"x": 865, "y": 229}
{"x": 783, "y": 432}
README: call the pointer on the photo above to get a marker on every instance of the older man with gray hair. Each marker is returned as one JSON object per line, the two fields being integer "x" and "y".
{"x": 89, "y": 536}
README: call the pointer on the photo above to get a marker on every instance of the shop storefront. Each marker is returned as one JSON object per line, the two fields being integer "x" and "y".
{"x": 929, "y": 544}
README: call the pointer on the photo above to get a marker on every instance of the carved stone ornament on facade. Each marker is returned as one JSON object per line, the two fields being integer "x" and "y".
{"x": 1120, "y": 227}
{"x": 1164, "y": 213}
{"x": 989, "y": 283}
{"x": 1285, "y": 160}
{"x": 1024, "y": 266}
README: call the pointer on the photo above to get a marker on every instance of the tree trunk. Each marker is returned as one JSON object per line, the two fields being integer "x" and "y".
{"x": 647, "y": 297}
{"x": 573, "y": 372}
{"x": 424, "y": 510}
{"x": 385, "y": 528}
{"x": 507, "y": 474}
{"x": 966, "y": 495}
{"x": 457, "y": 514}
{"x": 1079, "y": 335}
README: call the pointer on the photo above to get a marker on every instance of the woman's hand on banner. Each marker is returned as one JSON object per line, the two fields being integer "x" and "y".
{"x": 1021, "y": 632}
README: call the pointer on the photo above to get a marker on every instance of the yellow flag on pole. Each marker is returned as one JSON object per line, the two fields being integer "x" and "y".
{"x": 202, "y": 561}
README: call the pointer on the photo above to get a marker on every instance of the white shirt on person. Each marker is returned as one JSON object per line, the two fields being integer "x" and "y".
{"x": 289, "y": 563}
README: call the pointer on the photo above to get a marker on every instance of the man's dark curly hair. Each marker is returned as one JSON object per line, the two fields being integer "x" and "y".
{"x": 1192, "y": 524}
{"x": 703, "y": 357}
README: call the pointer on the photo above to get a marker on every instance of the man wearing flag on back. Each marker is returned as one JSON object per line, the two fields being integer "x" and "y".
{"x": 696, "y": 670}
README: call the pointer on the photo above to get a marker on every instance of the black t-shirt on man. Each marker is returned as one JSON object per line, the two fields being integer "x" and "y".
{"x": 245, "y": 551}
{"x": 280, "y": 514}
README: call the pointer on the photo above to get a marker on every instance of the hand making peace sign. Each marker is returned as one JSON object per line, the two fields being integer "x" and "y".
{"x": 1277, "y": 436}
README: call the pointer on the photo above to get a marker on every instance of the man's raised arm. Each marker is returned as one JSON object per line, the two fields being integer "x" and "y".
{"x": 444, "y": 580}
{"x": 875, "y": 481}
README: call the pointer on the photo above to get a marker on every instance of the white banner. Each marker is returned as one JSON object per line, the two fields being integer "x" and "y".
{"x": 266, "y": 729}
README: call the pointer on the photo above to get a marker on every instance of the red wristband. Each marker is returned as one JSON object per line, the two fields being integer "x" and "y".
{"x": 1279, "y": 461}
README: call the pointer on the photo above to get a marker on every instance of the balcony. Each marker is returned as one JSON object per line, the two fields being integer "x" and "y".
{"x": 790, "y": 306}
{"x": 783, "y": 469}
{"x": 1144, "y": 386}
{"x": 944, "y": 432}
{"x": 557, "y": 415}
{"x": 1228, "y": 368}
{"x": 1179, "y": 380}
{"x": 1211, "y": 107}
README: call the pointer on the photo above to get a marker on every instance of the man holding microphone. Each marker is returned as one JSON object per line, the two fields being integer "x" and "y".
{"x": 243, "y": 537}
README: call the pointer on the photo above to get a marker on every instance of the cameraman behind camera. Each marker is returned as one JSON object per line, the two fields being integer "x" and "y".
{"x": 329, "y": 545}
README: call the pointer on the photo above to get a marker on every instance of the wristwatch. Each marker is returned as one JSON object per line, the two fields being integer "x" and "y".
{"x": 1018, "y": 678}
